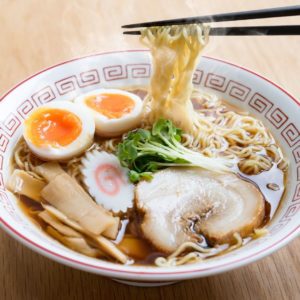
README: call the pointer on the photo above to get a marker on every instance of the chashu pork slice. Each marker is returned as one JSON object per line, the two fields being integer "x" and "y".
{"x": 180, "y": 203}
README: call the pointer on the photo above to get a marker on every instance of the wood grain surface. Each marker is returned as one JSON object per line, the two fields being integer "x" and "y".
{"x": 37, "y": 33}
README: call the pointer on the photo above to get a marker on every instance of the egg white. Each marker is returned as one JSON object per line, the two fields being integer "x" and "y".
{"x": 107, "y": 127}
{"x": 78, "y": 146}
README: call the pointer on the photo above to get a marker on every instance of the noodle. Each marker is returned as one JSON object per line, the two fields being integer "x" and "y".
{"x": 175, "y": 51}
{"x": 220, "y": 132}
{"x": 259, "y": 232}
{"x": 198, "y": 254}
{"x": 210, "y": 126}
{"x": 235, "y": 135}
{"x": 177, "y": 261}
{"x": 111, "y": 145}
{"x": 25, "y": 160}
{"x": 255, "y": 164}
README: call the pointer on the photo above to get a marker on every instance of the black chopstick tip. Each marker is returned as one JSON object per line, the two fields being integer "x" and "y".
{"x": 132, "y": 32}
{"x": 244, "y": 31}
{"x": 232, "y": 16}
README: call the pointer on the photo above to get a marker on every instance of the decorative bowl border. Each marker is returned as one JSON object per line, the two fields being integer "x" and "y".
{"x": 69, "y": 85}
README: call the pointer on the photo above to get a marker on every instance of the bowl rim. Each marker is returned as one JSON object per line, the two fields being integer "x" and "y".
{"x": 149, "y": 275}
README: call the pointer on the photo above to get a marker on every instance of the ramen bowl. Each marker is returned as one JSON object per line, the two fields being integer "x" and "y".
{"x": 240, "y": 87}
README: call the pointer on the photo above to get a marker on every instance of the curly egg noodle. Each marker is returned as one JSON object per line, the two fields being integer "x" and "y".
{"x": 221, "y": 132}
{"x": 175, "y": 51}
{"x": 214, "y": 129}
{"x": 210, "y": 126}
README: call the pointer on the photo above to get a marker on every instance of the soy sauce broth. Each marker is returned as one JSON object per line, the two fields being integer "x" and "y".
{"x": 131, "y": 241}
{"x": 263, "y": 181}
{"x": 133, "y": 245}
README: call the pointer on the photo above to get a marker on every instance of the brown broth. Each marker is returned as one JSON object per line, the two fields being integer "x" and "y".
{"x": 272, "y": 197}
{"x": 31, "y": 208}
{"x": 131, "y": 241}
{"x": 135, "y": 246}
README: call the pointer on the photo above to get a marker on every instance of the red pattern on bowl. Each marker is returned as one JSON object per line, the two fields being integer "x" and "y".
{"x": 269, "y": 102}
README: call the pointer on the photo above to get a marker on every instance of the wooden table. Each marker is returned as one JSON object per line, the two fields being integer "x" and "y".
{"x": 35, "y": 34}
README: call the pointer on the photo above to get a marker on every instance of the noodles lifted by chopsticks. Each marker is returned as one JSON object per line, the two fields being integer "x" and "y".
{"x": 175, "y": 51}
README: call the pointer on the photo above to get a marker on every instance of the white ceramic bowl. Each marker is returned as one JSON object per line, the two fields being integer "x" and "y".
{"x": 273, "y": 105}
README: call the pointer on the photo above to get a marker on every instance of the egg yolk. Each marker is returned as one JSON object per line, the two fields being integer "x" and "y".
{"x": 54, "y": 127}
{"x": 113, "y": 106}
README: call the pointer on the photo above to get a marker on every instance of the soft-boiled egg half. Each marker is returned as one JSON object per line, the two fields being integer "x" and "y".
{"x": 59, "y": 130}
{"x": 115, "y": 111}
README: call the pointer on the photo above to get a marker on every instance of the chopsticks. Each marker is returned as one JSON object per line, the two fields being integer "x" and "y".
{"x": 249, "y": 30}
{"x": 234, "y": 16}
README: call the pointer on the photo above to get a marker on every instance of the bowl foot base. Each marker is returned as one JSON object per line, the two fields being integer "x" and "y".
{"x": 145, "y": 283}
